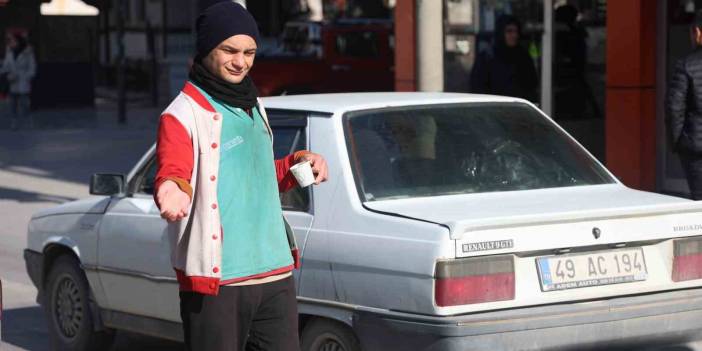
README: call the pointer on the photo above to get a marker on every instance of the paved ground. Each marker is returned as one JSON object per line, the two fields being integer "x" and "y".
{"x": 46, "y": 166}
{"x": 51, "y": 164}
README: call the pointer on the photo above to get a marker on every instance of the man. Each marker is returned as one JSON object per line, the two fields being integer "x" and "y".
{"x": 218, "y": 186}
{"x": 684, "y": 115}
{"x": 506, "y": 69}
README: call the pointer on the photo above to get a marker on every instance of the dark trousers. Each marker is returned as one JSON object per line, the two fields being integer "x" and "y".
{"x": 254, "y": 317}
{"x": 692, "y": 165}
{"x": 19, "y": 105}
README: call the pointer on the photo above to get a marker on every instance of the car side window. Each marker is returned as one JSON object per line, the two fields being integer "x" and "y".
{"x": 289, "y": 136}
{"x": 145, "y": 180}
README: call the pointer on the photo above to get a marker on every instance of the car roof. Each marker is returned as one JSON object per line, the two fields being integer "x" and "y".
{"x": 342, "y": 102}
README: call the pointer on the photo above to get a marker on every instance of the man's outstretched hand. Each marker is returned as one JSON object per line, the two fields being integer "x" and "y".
{"x": 319, "y": 167}
{"x": 174, "y": 203}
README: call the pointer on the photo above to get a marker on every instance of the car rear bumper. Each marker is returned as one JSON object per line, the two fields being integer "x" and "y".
{"x": 667, "y": 317}
{"x": 34, "y": 261}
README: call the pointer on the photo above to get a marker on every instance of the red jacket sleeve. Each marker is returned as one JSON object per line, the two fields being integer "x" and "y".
{"x": 174, "y": 154}
{"x": 286, "y": 180}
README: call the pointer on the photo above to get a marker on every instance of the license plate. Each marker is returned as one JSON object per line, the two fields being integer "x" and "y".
{"x": 591, "y": 269}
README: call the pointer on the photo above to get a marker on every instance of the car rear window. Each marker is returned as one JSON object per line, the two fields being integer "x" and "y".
{"x": 433, "y": 150}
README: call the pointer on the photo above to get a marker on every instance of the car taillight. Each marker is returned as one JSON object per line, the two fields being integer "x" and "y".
{"x": 474, "y": 280}
{"x": 687, "y": 261}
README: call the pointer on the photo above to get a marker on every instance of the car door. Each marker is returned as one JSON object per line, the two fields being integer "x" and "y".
{"x": 134, "y": 252}
{"x": 290, "y": 130}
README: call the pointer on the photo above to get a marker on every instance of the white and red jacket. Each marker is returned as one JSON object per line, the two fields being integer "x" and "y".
{"x": 190, "y": 124}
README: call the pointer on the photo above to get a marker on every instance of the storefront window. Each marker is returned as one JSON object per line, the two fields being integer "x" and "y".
{"x": 475, "y": 63}
{"x": 579, "y": 74}
{"x": 470, "y": 37}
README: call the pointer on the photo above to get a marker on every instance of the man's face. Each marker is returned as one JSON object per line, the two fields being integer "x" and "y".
{"x": 232, "y": 59}
{"x": 511, "y": 35}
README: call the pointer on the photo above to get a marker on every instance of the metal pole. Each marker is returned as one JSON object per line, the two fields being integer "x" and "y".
{"x": 547, "y": 59}
{"x": 121, "y": 79}
{"x": 430, "y": 45}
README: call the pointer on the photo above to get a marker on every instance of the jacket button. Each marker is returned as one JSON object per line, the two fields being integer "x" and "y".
{"x": 215, "y": 237}
{"x": 215, "y": 269}
{"x": 214, "y": 206}
{"x": 214, "y": 145}
{"x": 212, "y": 178}
{"x": 216, "y": 117}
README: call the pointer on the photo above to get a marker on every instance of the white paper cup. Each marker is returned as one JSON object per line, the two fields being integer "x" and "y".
{"x": 303, "y": 173}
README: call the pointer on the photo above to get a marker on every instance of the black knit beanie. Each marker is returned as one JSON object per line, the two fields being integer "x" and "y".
{"x": 221, "y": 21}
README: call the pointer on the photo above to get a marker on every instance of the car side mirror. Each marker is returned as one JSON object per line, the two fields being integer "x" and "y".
{"x": 107, "y": 184}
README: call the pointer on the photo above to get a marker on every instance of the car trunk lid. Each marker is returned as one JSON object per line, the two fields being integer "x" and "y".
{"x": 468, "y": 215}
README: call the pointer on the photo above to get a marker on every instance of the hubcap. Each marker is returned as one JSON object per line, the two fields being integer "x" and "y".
{"x": 329, "y": 342}
{"x": 68, "y": 309}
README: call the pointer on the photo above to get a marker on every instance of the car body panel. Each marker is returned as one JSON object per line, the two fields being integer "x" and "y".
{"x": 467, "y": 213}
{"x": 134, "y": 259}
{"x": 526, "y": 203}
{"x": 93, "y": 204}
{"x": 73, "y": 231}
{"x": 301, "y": 223}
{"x": 630, "y": 322}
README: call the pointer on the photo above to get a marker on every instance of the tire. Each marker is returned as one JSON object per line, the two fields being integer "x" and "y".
{"x": 328, "y": 335}
{"x": 68, "y": 309}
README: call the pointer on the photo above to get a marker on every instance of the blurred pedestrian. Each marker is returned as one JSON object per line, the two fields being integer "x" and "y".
{"x": 19, "y": 66}
{"x": 506, "y": 69}
{"x": 684, "y": 106}
{"x": 218, "y": 187}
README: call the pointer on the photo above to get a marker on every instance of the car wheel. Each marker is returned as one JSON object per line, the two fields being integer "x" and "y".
{"x": 69, "y": 314}
{"x": 328, "y": 335}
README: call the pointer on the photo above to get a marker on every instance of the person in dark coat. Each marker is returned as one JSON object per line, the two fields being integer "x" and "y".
{"x": 506, "y": 69}
{"x": 684, "y": 110}
{"x": 19, "y": 66}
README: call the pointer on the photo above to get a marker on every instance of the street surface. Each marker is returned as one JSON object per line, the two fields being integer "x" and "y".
{"x": 47, "y": 166}
{"x": 50, "y": 165}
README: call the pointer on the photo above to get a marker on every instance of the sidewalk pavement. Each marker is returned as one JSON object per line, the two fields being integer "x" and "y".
{"x": 48, "y": 165}
{"x": 103, "y": 115}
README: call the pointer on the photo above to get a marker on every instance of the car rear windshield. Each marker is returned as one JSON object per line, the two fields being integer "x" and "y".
{"x": 433, "y": 150}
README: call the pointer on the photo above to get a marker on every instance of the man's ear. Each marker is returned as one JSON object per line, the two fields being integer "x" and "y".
{"x": 698, "y": 35}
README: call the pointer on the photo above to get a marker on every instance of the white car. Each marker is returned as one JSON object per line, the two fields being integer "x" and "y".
{"x": 449, "y": 222}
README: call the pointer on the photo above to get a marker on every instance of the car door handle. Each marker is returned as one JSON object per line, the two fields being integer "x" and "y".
{"x": 338, "y": 68}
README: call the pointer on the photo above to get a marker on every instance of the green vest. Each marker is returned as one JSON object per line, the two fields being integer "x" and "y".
{"x": 254, "y": 237}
